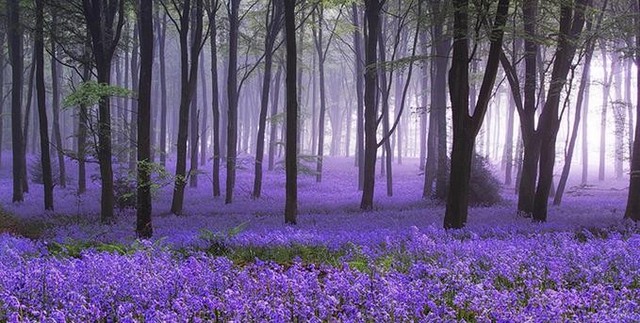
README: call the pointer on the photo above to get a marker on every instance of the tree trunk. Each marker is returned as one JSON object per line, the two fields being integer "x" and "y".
{"x": 55, "y": 89}
{"x": 323, "y": 105}
{"x": 83, "y": 121}
{"x": 633, "y": 202}
{"x": 2, "y": 98}
{"x": 205, "y": 117}
{"x": 133, "y": 126}
{"x": 372, "y": 14}
{"x": 188, "y": 78}
{"x": 14, "y": 39}
{"x": 582, "y": 90}
{"x": 273, "y": 132}
{"x": 232, "y": 97}
{"x": 571, "y": 24}
{"x": 508, "y": 145}
{"x": 291, "y": 204}
{"x": 215, "y": 103}
{"x": 465, "y": 126}
{"x": 30, "y": 101}
{"x": 162, "y": 36}
{"x": 45, "y": 158}
{"x": 357, "y": 44}
{"x": 273, "y": 27}
{"x": 143, "y": 212}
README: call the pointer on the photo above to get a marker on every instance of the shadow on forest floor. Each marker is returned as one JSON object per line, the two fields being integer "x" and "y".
{"x": 31, "y": 229}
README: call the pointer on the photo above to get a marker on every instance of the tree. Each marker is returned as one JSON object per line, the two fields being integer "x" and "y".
{"x": 104, "y": 20}
{"x": 188, "y": 78}
{"x": 633, "y": 202}
{"x": 232, "y": 99}
{"x": 273, "y": 26}
{"x": 291, "y": 158}
{"x": 2, "y": 98}
{"x": 45, "y": 158}
{"x": 465, "y": 126}
{"x": 55, "y": 93}
{"x": 162, "y": 36}
{"x": 372, "y": 14}
{"x": 572, "y": 19}
{"x": 358, "y": 61}
{"x": 212, "y": 10}
{"x": 14, "y": 39}
{"x": 143, "y": 210}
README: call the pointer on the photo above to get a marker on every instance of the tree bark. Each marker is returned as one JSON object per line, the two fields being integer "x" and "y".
{"x": 372, "y": 14}
{"x": 232, "y": 98}
{"x": 357, "y": 44}
{"x": 291, "y": 204}
{"x": 55, "y": 90}
{"x": 188, "y": 77}
{"x": 14, "y": 39}
{"x": 273, "y": 26}
{"x": 633, "y": 202}
{"x": 45, "y": 158}
{"x": 273, "y": 132}
{"x": 162, "y": 36}
{"x": 215, "y": 96}
{"x": 144, "y": 227}
{"x": 465, "y": 126}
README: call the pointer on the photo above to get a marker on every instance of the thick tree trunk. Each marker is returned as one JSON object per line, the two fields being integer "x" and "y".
{"x": 571, "y": 24}
{"x": 14, "y": 39}
{"x": 372, "y": 14}
{"x": 143, "y": 211}
{"x": 45, "y": 158}
{"x": 291, "y": 204}
{"x": 465, "y": 126}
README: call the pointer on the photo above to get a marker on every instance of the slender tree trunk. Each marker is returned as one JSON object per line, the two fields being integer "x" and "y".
{"x": 232, "y": 97}
{"x": 291, "y": 204}
{"x": 205, "y": 118}
{"x": 359, "y": 62}
{"x": 188, "y": 75}
{"x": 273, "y": 133}
{"x": 2, "y": 98}
{"x": 143, "y": 211}
{"x": 508, "y": 145}
{"x": 162, "y": 36}
{"x": 55, "y": 89}
{"x": 215, "y": 103}
{"x": 133, "y": 125}
{"x": 581, "y": 101}
{"x": 83, "y": 121}
{"x": 45, "y": 158}
{"x": 30, "y": 102}
{"x": 273, "y": 27}
{"x": 319, "y": 44}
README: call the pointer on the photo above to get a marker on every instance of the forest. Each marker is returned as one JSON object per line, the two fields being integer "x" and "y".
{"x": 319, "y": 161}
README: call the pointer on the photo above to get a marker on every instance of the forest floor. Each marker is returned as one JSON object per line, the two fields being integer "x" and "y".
{"x": 240, "y": 262}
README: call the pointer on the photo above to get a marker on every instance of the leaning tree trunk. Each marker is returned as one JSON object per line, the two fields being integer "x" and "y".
{"x": 273, "y": 132}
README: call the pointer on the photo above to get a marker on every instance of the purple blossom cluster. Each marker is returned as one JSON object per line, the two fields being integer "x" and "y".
{"x": 445, "y": 277}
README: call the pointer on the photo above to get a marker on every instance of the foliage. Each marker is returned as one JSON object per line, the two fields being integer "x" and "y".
{"x": 89, "y": 93}
{"x": 484, "y": 187}
{"x": 35, "y": 171}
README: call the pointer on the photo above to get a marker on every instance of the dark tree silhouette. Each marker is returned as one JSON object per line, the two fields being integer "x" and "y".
{"x": 14, "y": 39}
{"x": 143, "y": 211}
{"x": 291, "y": 156}
{"x": 465, "y": 126}
{"x": 104, "y": 20}
{"x": 45, "y": 158}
